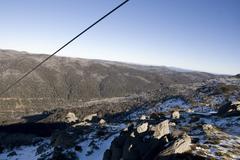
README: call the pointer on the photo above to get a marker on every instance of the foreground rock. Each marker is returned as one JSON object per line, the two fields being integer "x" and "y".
{"x": 228, "y": 109}
{"x": 90, "y": 117}
{"x": 102, "y": 122}
{"x": 154, "y": 132}
{"x": 181, "y": 145}
{"x": 161, "y": 129}
{"x": 63, "y": 139}
{"x": 143, "y": 117}
{"x": 142, "y": 128}
{"x": 143, "y": 143}
{"x": 175, "y": 115}
{"x": 71, "y": 117}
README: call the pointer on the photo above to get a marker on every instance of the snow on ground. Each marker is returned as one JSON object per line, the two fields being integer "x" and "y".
{"x": 170, "y": 104}
{"x": 91, "y": 153}
{"x": 224, "y": 141}
{"x": 166, "y": 106}
{"x": 203, "y": 110}
{"x": 25, "y": 152}
{"x": 230, "y": 125}
{"x": 22, "y": 153}
{"x": 94, "y": 147}
{"x": 219, "y": 145}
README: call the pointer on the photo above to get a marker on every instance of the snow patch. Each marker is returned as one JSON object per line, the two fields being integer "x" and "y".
{"x": 25, "y": 152}
{"x": 89, "y": 153}
{"x": 171, "y": 104}
{"x": 94, "y": 147}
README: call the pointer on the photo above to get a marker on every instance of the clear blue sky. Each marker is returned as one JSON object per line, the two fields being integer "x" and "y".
{"x": 194, "y": 34}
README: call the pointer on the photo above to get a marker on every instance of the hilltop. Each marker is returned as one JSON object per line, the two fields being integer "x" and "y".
{"x": 64, "y": 81}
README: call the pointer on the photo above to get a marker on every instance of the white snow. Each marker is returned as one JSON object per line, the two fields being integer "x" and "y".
{"x": 102, "y": 143}
{"x": 25, "y": 152}
{"x": 88, "y": 153}
{"x": 203, "y": 110}
{"x": 97, "y": 153}
{"x": 170, "y": 104}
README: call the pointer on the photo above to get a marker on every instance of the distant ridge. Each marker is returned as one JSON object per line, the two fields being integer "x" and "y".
{"x": 78, "y": 79}
{"x": 237, "y": 76}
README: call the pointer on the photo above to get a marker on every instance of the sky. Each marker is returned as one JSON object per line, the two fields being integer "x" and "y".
{"x": 201, "y": 35}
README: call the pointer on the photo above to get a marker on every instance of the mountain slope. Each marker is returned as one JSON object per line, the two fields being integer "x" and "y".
{"x": 73, "y": 80}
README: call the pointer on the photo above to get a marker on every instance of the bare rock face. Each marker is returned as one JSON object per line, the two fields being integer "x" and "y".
{"x": 237, "y": 104}
{"x": 129, "y": 151}
{"x": 107, "y": 155}
{"x": 142, "y": 128}
{"x": 143, "y": 117}
{"x": 116, "y": 150}
{"x": 116, "y": 153}
{"x": 90, "y": 117}
{"x": 175, "y": 133}
{"x": 175, "y": 115}
{"x": 155, "y": 116}
{"x": 102, "y": 122}
{"x": 212, "y": 131}
{"x": 71, "y": 117}
{"x": 228, "y": 109}
{"x": 143, "y": 143}
{"x": 161, "y": 129}
{"x": 63, "y": 139}
{"x": 208, "y": 127}
{"x": 225, "y": 107}
{"x": 181, "y": 145}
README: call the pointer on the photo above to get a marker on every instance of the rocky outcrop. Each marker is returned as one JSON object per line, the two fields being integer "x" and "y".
{"x": 142, "y": 128}
{"x": 71, "y": 117}
{"x": 143, "y": 117}
{"x": 175, "y": 115}
{"x": 161, "y": 129}
{"x": 90, "y": 117}
{"x": 208, "y": 127}
{"x": 228, "y": 109}
{"x": 181, "y": 145}
{"x": 144, "y": 143}
{"x": 63, "y": 139}
{"x": 152, "y": 133}
{"x": 102, "y": 122}
{"x": 225, "y": 107}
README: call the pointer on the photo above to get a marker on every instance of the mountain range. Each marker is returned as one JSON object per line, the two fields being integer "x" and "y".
{"x": 64, "y": 81}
